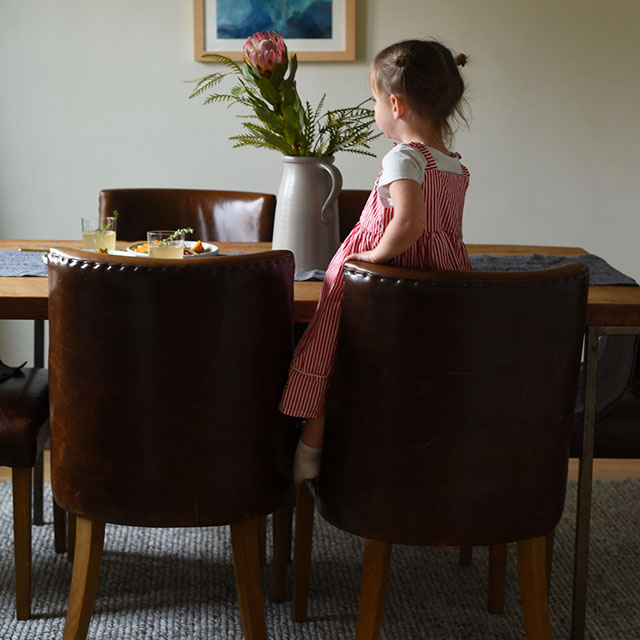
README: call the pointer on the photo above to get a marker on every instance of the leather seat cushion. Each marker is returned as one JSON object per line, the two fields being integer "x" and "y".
{"x": 24, "y": 412}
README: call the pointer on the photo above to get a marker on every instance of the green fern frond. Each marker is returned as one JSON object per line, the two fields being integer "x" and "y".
{"x": 218, "y": 97}
{"x": 217, "y": 57}
{"x": 206, "y": 83}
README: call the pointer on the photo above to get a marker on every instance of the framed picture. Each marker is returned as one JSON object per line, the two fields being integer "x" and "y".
{"x": 322, "y": 30}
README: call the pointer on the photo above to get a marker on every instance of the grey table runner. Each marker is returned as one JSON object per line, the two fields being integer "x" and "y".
{"x": 26, "y": 263}
{"x": 19, "y": 263}
{"x": 600, "y": 271}
{"x": 22, "y": 263}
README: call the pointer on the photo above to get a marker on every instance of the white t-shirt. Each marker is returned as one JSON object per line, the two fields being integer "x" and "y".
{"x": 405, "y": 162}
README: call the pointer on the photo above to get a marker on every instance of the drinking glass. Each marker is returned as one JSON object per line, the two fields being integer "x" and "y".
{"x": 99, "y": 235}
{"x": 165, "y": 244}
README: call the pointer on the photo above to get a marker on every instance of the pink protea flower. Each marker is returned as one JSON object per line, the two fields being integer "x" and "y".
{"x": 263, "y": 51}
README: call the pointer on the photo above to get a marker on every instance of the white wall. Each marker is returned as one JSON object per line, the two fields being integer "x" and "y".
{"x": 93, "y": 96}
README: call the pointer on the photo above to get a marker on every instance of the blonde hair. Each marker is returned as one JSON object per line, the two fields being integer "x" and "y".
{"x": 425, "y": 74}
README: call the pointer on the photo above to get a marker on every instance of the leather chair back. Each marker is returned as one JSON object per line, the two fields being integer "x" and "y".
{"x": 165, "y": 378}
{"x": 350, "y": 205}
{"x": 450, "y": 407}
{"x": 223, "y": 216}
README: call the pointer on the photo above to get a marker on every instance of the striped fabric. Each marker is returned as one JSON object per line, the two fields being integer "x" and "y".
{"x": 440, "y": 247}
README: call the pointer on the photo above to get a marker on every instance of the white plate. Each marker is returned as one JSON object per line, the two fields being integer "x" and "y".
{"x": 209, "y": 249}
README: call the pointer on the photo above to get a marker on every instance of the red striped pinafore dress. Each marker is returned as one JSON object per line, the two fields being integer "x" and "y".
{"x": 440, "y": 247}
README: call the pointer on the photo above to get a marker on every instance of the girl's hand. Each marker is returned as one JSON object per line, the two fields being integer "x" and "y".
{"x": 363, "y": 256}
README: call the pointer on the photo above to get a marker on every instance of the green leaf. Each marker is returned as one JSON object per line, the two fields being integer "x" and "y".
{"x": 278, "y": 74}
{"x": 250, "y": 74}
{"x": 288, "y": 95}
{"x": 269, "y": 92}
{"x": 292, "y": 128}
{"x": 274, "y": 121}
{"x": 269, "y": 137}
{"x": 293, "y": 67}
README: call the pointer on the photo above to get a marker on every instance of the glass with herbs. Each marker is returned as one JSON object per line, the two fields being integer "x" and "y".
{"x": 99, "y": 234}
{"x": 166, "y": 244}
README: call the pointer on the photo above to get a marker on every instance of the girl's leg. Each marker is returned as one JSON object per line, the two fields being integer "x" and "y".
{"x": 313, "y": 431}
{"x": 306, "y": 463}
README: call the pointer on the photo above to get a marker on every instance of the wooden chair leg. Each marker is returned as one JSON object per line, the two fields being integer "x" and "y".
{"x": 59, "y": 528}
{"x": 262, "y": 539}
{"x": 532, "y": 576}
{"x": 466, "y": 556}
{"x": 281, "y": 522}
{"x": 38, "y": 487}
{"x": 549, "y": 557}
{"x": 71, "y": 536}
{"x": 377, "y": 557}
{"x": 84, "y": 579}
{"x": 497, "y": 577}
{"x": 21, "y": 480}
{"x": 305, "y": 506}
{"x": 498, "y": 572}
{"x": 246, "y": 564}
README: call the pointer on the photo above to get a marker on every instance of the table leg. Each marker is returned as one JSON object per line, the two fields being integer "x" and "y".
{"x": 38, "y": 482}
{"x": 585, "y": 476}
{"x": 38, "y": 475}
{"x": 38, "y": 343}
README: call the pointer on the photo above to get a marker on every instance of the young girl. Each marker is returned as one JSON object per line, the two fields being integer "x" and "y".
{"x": 413, "y": 217}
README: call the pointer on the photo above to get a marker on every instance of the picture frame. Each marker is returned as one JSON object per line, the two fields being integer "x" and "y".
{"x": 216, "y": 32}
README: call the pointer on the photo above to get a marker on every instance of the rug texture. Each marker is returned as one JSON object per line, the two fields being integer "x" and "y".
{"x": 158, "y": 584}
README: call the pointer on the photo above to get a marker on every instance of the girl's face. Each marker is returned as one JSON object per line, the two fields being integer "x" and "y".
{"x": 384, "y": 113}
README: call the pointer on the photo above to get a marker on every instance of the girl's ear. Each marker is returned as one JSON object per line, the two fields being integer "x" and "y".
{"x": 398, "y": 106}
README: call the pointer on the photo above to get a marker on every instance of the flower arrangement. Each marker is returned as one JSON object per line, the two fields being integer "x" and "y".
{"x": 284, "y": 123}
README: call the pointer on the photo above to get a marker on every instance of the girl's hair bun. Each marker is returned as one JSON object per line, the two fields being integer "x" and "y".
{"x": 401, "y": 60}
{"x": 461, "y": 59}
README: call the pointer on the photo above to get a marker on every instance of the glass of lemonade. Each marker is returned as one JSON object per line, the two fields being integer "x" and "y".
{"x": 165, "y": 244}
{"x": 98, "y": 234}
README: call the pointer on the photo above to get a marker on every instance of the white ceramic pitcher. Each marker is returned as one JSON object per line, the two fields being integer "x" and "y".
{"x": 306, "y": 219}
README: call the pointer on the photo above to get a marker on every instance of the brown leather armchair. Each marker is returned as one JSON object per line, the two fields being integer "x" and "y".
{"x": 169, "y": 364}
{"x": 225, "y": 216}
{"x": 448, "y": 420}
{"x": 350, "y": 205}
{"x": 24, "y": 430}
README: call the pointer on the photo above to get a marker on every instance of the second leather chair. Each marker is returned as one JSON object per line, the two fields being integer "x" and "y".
{"x": 225, "y": 216}
{"x": 165, "y": 380}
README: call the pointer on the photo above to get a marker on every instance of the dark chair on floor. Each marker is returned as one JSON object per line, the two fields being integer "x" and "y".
{"x": 617, "y": 427}
{"x": 448, "y": 420}
{"x": 350, "y": 205}
{"x": 165, "y": 381}
{"x": 616, "y": 436}
{"x": 24, "y": 430}
{"x": 214, "y": 215}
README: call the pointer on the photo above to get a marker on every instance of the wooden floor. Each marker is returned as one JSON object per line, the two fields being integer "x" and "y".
{"x": 602, "y": 468}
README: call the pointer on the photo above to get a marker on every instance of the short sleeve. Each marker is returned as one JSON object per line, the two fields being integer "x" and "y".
{"x": 403, "y": 162}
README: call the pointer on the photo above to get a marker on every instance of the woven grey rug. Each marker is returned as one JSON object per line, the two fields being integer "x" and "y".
{"x": 178, "y": 583}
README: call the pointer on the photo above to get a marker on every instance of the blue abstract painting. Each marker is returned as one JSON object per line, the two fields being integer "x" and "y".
{"x": 291, "y": 18}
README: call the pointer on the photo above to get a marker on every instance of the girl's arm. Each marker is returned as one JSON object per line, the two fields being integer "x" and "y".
{"x": 406, "y": 226}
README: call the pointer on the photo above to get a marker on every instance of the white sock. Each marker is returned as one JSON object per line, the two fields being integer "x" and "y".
{"x": 306, "y": 463}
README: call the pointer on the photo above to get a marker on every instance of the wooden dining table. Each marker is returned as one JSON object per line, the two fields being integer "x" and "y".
{"x": 26, "y": 298}
{"x": 611, "y": 310}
